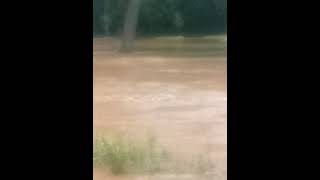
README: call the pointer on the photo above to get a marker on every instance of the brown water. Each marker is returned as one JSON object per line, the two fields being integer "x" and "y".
{"x": 175, "y": 95}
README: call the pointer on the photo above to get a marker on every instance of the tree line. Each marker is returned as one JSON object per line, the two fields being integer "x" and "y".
{"x": 159, "y": 16}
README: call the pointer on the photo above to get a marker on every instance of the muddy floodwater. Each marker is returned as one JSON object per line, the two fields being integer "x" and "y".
{"x": 174, "y": 89}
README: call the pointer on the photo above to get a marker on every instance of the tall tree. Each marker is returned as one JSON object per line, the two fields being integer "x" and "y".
{"x": 130, "y": 25}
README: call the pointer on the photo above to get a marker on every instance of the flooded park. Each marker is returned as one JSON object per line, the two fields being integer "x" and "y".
{"x": 170, "y": 88}
{"x": 159, "y": 90}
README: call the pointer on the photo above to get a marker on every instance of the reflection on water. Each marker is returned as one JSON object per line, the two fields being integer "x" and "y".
{"x": 179, "y": 99}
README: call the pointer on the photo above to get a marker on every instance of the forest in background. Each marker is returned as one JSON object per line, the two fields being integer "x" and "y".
{"x": 162, "y": 17}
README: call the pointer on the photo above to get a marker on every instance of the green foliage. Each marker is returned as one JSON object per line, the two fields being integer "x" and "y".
{"x": 124, "y": 156}
{"x": 164, "y": 16}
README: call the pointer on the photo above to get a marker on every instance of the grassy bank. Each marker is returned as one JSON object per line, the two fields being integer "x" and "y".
{"x": 121, "y": 155}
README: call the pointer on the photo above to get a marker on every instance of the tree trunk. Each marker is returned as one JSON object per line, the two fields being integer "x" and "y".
{"x": 130, "y": 25}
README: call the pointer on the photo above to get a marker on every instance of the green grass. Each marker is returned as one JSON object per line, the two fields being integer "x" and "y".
{"x": 126, "y": 156}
